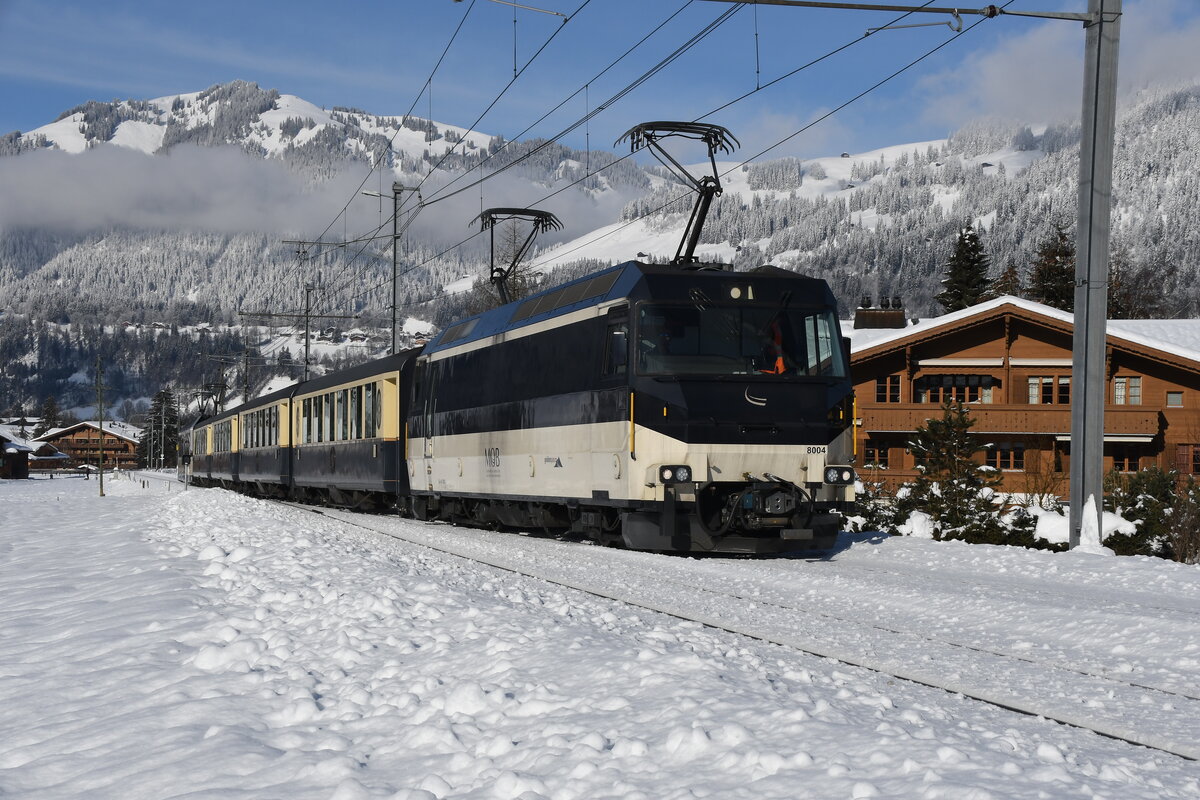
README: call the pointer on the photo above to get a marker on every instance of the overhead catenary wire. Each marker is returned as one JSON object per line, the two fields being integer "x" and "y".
{"x": 600, "y": 107}
{"x": 470, "y": 130}
{"x": 777, "y": 144}
{"x": 720, "y": 108}
{"x": 787, "y": 138}
{"x": 427, "y": 85}
{"x": 584, "y": 88}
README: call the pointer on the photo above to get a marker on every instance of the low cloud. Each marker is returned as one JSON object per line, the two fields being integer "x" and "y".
{"x": 215, "y": 189}
{"x": 224, "y": 190}
{"x": 1036, "y": 76}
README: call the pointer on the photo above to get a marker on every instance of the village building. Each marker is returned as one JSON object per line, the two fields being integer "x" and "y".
{"x": 14, "y": 457}
{"x": 19, "y": 455}
{"x": 81, "y": 442}
{"x": 1009, "y": 360}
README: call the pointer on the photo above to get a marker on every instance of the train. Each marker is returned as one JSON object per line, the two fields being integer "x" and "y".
{"x": 643, "y": 405}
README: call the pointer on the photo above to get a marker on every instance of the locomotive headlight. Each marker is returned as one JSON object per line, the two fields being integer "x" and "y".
{"x": 675, "y": 473}
{"x": 839, "y": 476}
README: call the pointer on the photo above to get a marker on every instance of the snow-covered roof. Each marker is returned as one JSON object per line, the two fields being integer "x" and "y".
{"x": 121, "y": 429}
{"x": 13, "y": 442}
{"x": 10, "y": 437}
{"x": 1179, "y": 337}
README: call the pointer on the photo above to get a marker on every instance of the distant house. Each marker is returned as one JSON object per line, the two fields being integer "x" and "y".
{"x": 15, "y": 448}
{"x": 1010, "y": 360}
{"x": 14, "y": 457}
{"x": 82, "y": 443}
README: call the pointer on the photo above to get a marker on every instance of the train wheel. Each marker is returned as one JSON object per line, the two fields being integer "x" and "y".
{"x": 420, "y": 508}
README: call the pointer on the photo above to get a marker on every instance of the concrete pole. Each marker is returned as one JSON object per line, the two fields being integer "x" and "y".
{"x": 1098, "y": 132}
{"x": 396, "y": 190}
{"x": 308, "y": 290}
{"x": 100, "y": 416}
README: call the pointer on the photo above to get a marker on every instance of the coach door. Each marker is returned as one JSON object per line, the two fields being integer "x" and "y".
{"x": 428, "y": 407}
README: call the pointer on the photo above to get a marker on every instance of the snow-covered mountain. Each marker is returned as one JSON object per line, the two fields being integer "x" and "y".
{"x": 876, "y": 223}
{"x": 177, "y": 208}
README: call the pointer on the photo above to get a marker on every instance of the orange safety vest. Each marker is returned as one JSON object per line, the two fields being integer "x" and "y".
{"x": 777, "y": 349}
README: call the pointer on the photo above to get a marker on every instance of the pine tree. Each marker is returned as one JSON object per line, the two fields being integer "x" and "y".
{"x": 160, "y": 437}
{"x": 1007, "y": 283}
{"x": 1136, "y": 291}
{"x": 953, "y": 488}
{"x": 965, "y": 282}
{"x": 50, "y": 417}
{"x": 1052, "y": 279}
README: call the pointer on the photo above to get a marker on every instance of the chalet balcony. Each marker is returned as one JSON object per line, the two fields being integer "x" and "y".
{"x": 993, "y": 418}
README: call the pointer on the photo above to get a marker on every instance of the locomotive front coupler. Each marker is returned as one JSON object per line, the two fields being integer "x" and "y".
{"x": 770, "y": 502}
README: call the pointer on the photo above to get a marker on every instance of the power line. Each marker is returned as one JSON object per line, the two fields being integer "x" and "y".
{"x": 787, "y": 138}
{"x": 504, "y": 91}
{"x": 575, "y": 94}
{"x": 641, "y": 80}
{"x": 662, "y": 64}
{"x": 622, "y": 93}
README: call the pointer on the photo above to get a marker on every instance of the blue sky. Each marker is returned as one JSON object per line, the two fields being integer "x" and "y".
{"x": 377, "y": 56}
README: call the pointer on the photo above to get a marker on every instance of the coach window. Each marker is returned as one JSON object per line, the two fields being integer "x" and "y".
{"x": 355, "y": 412}
{"x": 379, "y": 409}
{"x": 330, "y": 416}
{"x": 347, "y": 415}
{"x": 369, "y": 410}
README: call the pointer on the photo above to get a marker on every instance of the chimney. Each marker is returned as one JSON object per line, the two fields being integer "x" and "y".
{"x": 890, "y": 314}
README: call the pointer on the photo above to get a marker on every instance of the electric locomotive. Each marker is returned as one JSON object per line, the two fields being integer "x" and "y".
{"x": 664, "y": 409}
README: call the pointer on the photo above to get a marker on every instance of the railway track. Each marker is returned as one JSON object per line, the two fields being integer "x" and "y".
{"x": 1162, "y": 718}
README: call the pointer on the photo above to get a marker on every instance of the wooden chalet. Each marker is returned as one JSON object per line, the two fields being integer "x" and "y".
{"x": 14, "y": 457}
{"x": 1010, "y": 360}
{"x": 81, "y": 442}
{"x": 20, "y": 455}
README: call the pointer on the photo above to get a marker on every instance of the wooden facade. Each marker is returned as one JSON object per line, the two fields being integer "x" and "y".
{"x": 1010, "y": 361}
{"x": 82, "y": 443}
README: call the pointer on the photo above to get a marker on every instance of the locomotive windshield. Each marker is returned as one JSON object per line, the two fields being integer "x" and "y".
{"x": 738, "y": 340}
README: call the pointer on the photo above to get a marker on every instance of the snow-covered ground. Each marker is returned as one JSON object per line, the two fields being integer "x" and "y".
{"x": 165, "y": 643}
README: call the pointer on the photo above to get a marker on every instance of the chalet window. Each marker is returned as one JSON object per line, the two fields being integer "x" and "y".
{"x": 1125, "y": 458}
{"x": 1127, "y": 391}
{"x": 1006, "y": 455}
{"x": 1049, "y": 390}
{"x": 1187, "y": 459}
{"x": 959, "y": 388}
{"x": 875, "y": 455}
{"x": 887, "y": 389}
{"x": 1174, "y": 399}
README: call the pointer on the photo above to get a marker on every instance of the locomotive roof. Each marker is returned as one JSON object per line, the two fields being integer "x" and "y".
{"x": 600, "y": 287}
